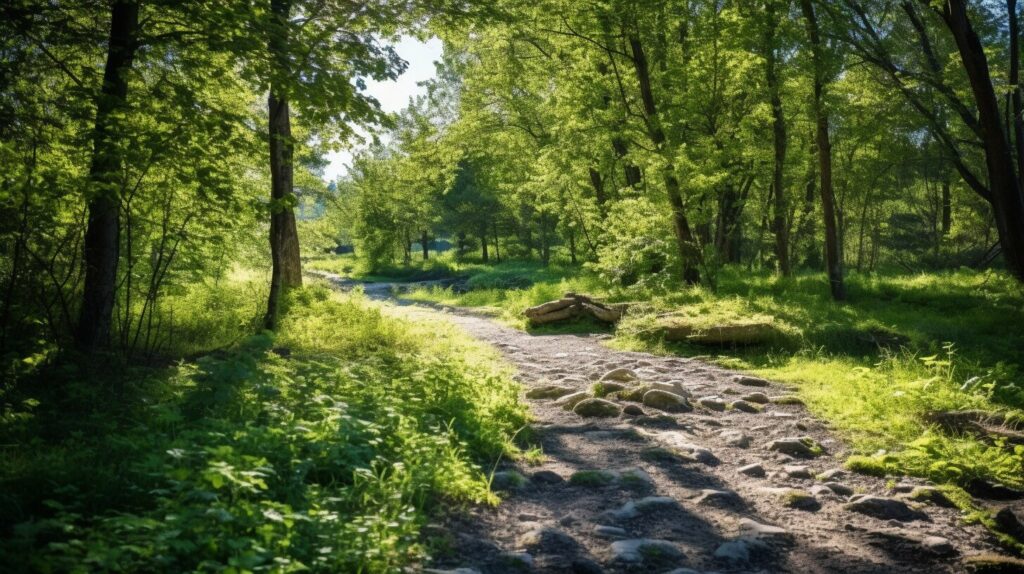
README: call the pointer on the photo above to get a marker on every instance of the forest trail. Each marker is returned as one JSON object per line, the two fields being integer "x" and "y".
{"x": 683, "y": 492}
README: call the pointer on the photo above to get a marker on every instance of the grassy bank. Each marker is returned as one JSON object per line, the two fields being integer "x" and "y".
{"x": 902, "y": 347}
{"x": 326, "y": 446}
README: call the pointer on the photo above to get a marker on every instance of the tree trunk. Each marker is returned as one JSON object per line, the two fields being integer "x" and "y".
{"x": 424, "y": 244}
{"x": 102, "y": 235}
{"x": 689, "y": 252}
{"x": 494, "y": 226}
{"x": 483, "y": 242}
{"x": 598, "y": 182}
{"x": 286, "y": 272}
{"x": 780, "y": 225}
{"x": 833, "y": 261}
{"x": 1018, "y": 106}
{"x": 947, "y": 207}
{"x": 572, "y": 246}
{"x": 1006, "y": 198}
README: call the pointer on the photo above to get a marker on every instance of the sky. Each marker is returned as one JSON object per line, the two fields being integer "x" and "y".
{"x": 393, "y": 96}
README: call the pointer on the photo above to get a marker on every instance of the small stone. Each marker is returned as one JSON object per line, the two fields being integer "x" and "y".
{"x": 590, "y": 408}
{"x": 884, "y": 508}
{"x": 757, "y": 397}
{"x": 632, "y": 509}
{"x": 609, "y": 531}
{"x": 796, "y": 446}
{"x": 839, "y": 488}
{"x": 744, "y": 406}
{"x": 801, "y": 426}
{"x": 938, "y": 545}
{"x": 736, "y": 438}
{"x": 546, "y": 477}
{"x": 720, "y": 498}
{"x": 712, "y": 403}
{"x": 749, "y": 381}
{"x": 621, "y": 374}
{"x": 794, "y": 498}
{"x": 755, "y": 470}
{"x": 674, "y": 387}
{"x": 662, "y": 454}
{"x": 549, "y": 392}
{"x": 797, "y": 471}
{"x": 787, "y": 400}
{"x": 644, "y": 551}
{"x": 547, "y": 539}
{"x": 569, "y": 401}
{"x": 666, "y": 401}
{"x": 753, "y": 529}
{"x": 633, "y": 411}
{"x": 904, "y": 487}
{"x": 1008, "y": 522}
{"x": 507, "y": 480}
{"x": 831, "y": 474}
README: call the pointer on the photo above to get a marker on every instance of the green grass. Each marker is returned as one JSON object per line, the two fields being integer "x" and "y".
{"x": 904, "y": 345}
{"x": 327, "y": 446}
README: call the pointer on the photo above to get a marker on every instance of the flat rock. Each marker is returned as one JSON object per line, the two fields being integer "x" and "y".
{"x": 839, "y": 488}
{"x": 666, "y": 401}
{"x": 621, "y": 374}
{"x": 744, "y": 406}
{"x": 569, "y": 401}
{"x": 749, "y": 381}
{"x": 607, "y": 387}
{"x": 793, "y": 498}
{"x": 549, "y": 392}
{"x": 599, "y": 408}
{"x": 755, "y": 470}
{"x": 720, "y": 498}
{"x": 738, "y": 551}
{"x": 712, "y": 403}
{"x": 756, "y": 397}
{"x": 753, "y": 529}
{"x": 674, "y": 387}
{"x": 797, "y": 471}
{"x": 884, "y": 508}
{"x": 644, "y": 551}
{"x": 632, "y": 509}
{"x": 804, "y": 447}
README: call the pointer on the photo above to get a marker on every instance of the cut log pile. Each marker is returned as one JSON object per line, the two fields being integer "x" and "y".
{"x": 572, "y": 306}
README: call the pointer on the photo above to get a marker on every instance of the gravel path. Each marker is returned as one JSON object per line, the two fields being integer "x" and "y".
{"x": 678, "y": 489}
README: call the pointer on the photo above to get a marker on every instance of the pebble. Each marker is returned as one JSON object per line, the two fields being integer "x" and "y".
{"x": 757, "y": 397}
{"x": 744, "y": 406}
{"x": 621, "y": 374}
{"x": 546, "y": 477}
{"x": 797, "y": 471}
{"x": 736, "y": 438}
{"x": 747, "y": 380}
{"x": 938, "y": 545}
{"x": 755, "y": 470}
{"x": 753, "y": 529}
{"x": 712, "y": 403}
{"x": 609, "y": 531}
{"x": 795, "y": 446}
{"x": 666, "y": 401}
{"x": 549, "y": 392}
{"x": 633, "y": 410}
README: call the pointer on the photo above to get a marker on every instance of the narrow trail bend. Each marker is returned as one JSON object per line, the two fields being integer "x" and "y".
{"x": 684, "y": 492}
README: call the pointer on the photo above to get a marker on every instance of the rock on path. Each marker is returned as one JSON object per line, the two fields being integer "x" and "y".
{"x": 692, "y": 488}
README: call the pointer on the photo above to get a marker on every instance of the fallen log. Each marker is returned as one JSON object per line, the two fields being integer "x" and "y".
{"x": 572, "y": 306}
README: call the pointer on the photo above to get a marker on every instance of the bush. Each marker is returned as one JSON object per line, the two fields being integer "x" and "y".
{"x": 325, "y": 447}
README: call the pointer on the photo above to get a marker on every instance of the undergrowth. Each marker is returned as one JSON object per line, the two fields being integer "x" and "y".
{"x": 324, "y": 447}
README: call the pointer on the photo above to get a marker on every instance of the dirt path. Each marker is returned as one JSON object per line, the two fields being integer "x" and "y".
{"x": 683, "y": 492}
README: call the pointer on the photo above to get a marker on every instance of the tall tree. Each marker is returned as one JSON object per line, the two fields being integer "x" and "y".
{"x": 102, "y": 236}
{"x": 833, "y": 254}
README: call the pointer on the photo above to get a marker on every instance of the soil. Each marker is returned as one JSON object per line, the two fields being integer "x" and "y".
{"x": 549, "y": 523}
